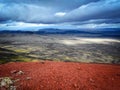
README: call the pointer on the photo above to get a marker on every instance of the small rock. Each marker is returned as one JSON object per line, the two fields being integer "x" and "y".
{"x": 79, "y": 68}
{"x": 12, "y": 88}
{"x": 91, "y": 80}
{"x": 28, "y": 78}
{"x": 16, "y": 80}
{"x": 75, "y": 85}
{"x": 6, "y": 82}
{"x": 14, "y": 71}
{"x": 20, "y": 72}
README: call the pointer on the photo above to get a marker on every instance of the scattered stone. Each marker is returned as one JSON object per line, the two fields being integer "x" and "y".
{"x": 79, "y": 68}
{"x": 17, "y": 72}
{"x": 75, "y": 85}
{"x": 16, "y": 80}
{"x": 14, "y": 71}
{"x": 28, "y": 78}
{"x": 20, "y": 72}
{"x": 6, "y": 82}
{"x": 91, "y": 80}
{"x": 12, "y": 88}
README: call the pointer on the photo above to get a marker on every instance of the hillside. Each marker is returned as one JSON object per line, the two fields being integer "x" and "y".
{"x": 61, "y": 76}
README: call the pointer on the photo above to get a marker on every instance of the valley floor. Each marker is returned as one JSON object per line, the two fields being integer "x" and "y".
{"x": 68, "y": 48}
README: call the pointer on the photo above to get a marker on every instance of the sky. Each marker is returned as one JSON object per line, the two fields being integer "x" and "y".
{"x": 62, "y": 14}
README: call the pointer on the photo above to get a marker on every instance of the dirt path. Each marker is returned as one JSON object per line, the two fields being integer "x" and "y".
{"x": 62, "y": 76}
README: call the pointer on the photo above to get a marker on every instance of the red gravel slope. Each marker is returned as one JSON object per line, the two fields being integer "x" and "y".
{"x": 63, "y": 76}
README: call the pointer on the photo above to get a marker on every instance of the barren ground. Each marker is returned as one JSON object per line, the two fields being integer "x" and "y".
{"x": 62, "y": 76}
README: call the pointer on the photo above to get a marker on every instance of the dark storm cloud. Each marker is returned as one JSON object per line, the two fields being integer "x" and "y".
{"x": 61, "y": 4}
{"x": 60, "y": 11}
{"x": 25, "y": 12}
{"x": 104, "y": 9}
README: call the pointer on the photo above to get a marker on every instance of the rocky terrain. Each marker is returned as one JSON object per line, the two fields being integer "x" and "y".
{"x": 52, "y": 62}
{"x": 29, "y": 47}
{"x": 48, "y": 75}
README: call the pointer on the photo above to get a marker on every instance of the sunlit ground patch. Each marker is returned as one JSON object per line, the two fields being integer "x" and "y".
{"x": 77, "y": 41}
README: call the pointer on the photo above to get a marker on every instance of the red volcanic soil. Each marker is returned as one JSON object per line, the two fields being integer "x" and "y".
{"x": 63, "y": 75}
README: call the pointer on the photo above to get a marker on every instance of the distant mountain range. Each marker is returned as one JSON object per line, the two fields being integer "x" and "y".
{"x": 103, "y": 32}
